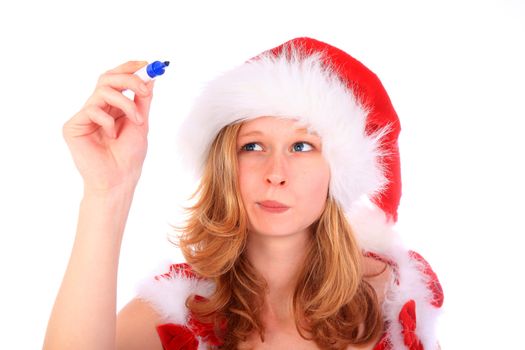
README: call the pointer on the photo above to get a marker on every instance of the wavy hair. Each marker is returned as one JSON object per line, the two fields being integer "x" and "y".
{"x": 333, "y": 304}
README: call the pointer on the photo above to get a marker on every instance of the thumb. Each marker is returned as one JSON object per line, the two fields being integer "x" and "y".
{"x": 143, "y": 103}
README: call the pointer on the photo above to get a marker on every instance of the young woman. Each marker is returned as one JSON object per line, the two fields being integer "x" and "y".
{"x": 291, "y": 240}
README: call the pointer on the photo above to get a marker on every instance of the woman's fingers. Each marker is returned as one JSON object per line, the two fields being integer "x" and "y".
{"x": 108, "y": 103}
{"x": 143, "y": 103}
{"x": 88, "y": 121}
{"x": 107, "y": 122}
{"x": 106, "y": 96}
{"x": 128, "y": 67}
{"x": 121, "y": 81}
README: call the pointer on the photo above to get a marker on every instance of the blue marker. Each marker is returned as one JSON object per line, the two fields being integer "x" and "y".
{"x": 152, "y": 70}
{"x": 147, "y": 73}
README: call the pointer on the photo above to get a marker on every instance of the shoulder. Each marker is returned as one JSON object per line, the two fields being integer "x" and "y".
{"x": 166, "y": 293}
{"x": 136, "y": 326}
{"x": 378, "y": 274}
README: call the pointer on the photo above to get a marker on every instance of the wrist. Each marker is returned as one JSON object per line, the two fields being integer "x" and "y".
{"x": 116, "y": 191}
{"x": 105, "y": 212}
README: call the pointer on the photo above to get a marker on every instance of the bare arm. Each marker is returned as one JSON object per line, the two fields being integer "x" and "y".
{"x": 108, "y": 142}
{"x": 83, "y": 315}
{"x": 91, "y": 276}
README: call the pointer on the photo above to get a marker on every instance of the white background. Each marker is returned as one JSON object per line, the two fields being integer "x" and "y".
{"x": 453, "y": 69}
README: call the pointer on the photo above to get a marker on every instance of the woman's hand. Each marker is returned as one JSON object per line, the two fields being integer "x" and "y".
{"x": 108, "y": 136}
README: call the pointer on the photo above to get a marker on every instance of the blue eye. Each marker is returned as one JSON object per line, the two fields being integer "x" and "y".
{"x": 247, "y": 147}
{"x": 301, "y": 143}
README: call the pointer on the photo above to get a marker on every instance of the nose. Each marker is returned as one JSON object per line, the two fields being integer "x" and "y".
{"x": 276, "y": 173}
{"x": 275, "y": 179}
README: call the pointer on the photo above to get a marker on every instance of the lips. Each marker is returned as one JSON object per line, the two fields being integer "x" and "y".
{"x": 273, "y": 204}
{"x": 273, "y": 207}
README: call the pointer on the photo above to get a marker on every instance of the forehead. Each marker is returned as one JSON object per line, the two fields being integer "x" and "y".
{"x": 264, "y": 125}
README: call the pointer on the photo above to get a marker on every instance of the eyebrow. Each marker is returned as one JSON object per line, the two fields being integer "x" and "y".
{"x": 257, "y": 132}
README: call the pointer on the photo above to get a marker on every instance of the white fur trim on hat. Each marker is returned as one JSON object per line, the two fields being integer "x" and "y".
{"x": 296, "y": 87}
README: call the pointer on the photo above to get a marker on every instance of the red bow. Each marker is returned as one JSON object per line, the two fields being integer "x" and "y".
{"x": 177, "y": 337}
{"x": 407, "y": 318}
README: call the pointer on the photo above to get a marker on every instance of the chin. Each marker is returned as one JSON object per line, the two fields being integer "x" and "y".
{"x": 273, "y": 231}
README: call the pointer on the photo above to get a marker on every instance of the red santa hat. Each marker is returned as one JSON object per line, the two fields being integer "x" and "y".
{"x": 328, "y": 91}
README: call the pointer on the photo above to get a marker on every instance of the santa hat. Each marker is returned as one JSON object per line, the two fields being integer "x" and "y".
{"x": 328, "y": 91}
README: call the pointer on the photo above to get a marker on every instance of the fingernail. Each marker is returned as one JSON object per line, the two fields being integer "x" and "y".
{"x": 139, "y": 118}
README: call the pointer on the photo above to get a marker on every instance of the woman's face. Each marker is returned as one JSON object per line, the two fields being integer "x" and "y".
{"x": 279, "y": 161}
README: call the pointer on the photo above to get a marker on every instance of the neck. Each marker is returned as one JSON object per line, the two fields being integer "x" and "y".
{"x": 278, "y": 260}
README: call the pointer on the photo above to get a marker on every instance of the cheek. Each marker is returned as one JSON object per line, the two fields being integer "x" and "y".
{"x": 316, "y": 175}
{"x": 246, "y": 179}
{"x": 314, "y": 187}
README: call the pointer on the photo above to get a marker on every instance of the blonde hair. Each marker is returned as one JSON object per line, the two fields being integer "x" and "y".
{"x": 332, "y": 302}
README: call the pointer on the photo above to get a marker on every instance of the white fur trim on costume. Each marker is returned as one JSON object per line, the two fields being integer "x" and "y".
{"x": 376, "y": 235}
{"x": 168, "y": 295}
{"x": 295, "y": 87}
